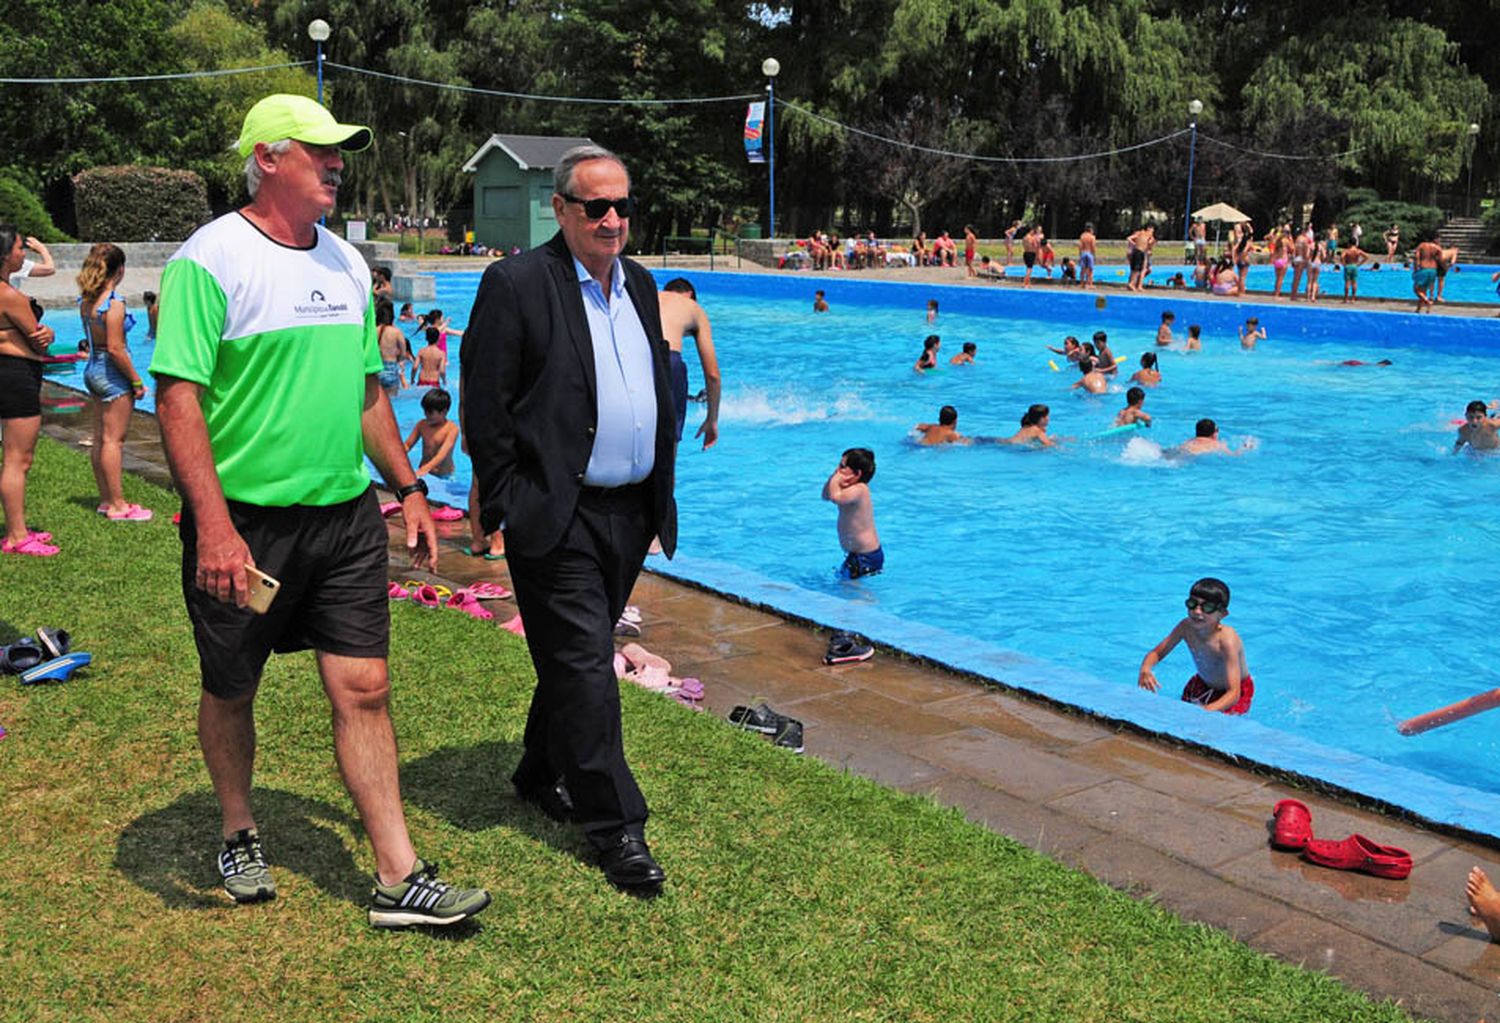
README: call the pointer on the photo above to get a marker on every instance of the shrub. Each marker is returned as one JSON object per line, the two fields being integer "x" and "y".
{"x": 139, "y": 204}
{"x": 20, "y": 206}
{"x": 1377, "y": 214}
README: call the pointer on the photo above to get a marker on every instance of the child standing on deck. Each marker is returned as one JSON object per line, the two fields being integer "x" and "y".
{"x": 1223, "y": 681}
{"x": 849, "y": 488}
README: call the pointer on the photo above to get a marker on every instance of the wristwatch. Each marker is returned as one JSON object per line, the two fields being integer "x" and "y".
{"x": 419, "y": 487}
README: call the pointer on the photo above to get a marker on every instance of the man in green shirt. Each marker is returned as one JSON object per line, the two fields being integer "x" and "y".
{"x": 268, "y": 399}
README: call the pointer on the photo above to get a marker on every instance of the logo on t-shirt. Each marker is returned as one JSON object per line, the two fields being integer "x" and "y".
{"x": 318, "y": 307}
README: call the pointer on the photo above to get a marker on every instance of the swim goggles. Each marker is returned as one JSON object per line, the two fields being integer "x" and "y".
{"x": 1209, "y": 607}
{"x": 595, "y": 209}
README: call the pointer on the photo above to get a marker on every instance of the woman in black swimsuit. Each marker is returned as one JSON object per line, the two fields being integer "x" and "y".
{"x": 23, "y": 342}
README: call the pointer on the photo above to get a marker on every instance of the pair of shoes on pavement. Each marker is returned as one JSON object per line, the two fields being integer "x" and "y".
{"x": 1292, "y": 831}
{"x": 418, "y": 898}
{"x": 783, "y": 731}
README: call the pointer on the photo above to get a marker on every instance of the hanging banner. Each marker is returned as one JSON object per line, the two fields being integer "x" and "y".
{"x": 754, "y": 115}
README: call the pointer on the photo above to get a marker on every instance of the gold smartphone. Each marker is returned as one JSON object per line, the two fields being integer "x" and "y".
{"x": 263, "y": 590}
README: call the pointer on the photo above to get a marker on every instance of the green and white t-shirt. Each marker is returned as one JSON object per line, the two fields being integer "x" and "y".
{"x": 281, "y": 340}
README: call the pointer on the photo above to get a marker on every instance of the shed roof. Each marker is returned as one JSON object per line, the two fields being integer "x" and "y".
{"x": 531, "y": 152}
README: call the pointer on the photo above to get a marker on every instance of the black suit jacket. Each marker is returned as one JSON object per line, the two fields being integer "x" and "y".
{"x": 529, "y": 398}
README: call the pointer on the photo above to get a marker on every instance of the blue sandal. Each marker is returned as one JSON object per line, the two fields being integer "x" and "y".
{"x": 59, "y": 669}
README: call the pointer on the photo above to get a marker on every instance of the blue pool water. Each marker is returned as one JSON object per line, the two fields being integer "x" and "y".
{"x": 1355, "y": 544}
{"x": 1467, "y": 282}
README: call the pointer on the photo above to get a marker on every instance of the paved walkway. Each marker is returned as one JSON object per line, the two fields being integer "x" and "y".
{"x": 1163, "y": 823}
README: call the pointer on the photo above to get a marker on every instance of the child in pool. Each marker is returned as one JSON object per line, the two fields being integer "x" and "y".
{"x": 1250, "y": 333}
{"x": 1071, "y": 349}
{"x": 1091, "y": 380}
{"x": 1132, "y": 412}
{"x": 928, "y": 359}
{"x": 820, "y": 303}
{"x": 1033, "y": 429}
{"x": 1223, "y": 681}
{"x": 944, "y": 431}
{"x": 849, "y": 488}
{"x": 153, "y": 309}
{"x": 965, "y": 357}
{"x": 1478, "y": 430}
{"x": 437, "y": 433}
{"x": 932, "y": 310}
{"x": 1104, "y": 359}
{"x": 1195, "y": 339}
{"x": 1164, "y": 332}
{"x": 1206, "y": 442}
{"x": 1148, "y": 375}
{"x": 432, "y": 363}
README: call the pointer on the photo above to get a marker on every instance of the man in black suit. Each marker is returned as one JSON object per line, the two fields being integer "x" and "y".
{"x": 568, "y": 411}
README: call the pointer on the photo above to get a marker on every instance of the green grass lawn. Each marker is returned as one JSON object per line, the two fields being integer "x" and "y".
{"x": 796, "y": 892}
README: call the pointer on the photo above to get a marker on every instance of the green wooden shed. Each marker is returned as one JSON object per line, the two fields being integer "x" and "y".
{"x": 513, "y": 188}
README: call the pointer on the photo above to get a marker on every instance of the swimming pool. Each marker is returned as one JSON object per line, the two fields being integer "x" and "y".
{"x": 1352, "y": 540}
{"x": 1466, "y": 282}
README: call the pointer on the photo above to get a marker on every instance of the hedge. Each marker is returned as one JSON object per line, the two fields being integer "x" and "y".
{"x": 139, "y": 204}
{"x": 20, "y": 206}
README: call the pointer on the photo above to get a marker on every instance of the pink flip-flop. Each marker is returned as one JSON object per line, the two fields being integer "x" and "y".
{"x": 426, "y": 596}
{"x": 447, "y": 513}
{"x": 389, "y": 508}
{"x": 132, "y": 513}
{"x": 515, "y": 625}
{"x": 487, "y": 591}
{"x": 465, "y": 602}
{"x": 39, "y": 534}
{"x": 31, "y": 545}
{"x": 395, "y": 591}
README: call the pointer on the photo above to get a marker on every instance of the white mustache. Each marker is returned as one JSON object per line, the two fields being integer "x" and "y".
{"x": 333, "y": 178}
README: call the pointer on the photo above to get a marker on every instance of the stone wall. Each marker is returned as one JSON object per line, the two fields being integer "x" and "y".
{"x": 142, "y": 255}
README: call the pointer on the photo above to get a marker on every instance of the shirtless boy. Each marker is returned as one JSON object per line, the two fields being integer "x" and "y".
{"x": 1424, "y": 262}
{"x": 1478, "y": 430}
{"x": 944, "y": 431}
{"x": 681, "y": 315}
{"x": 820, "y": 303}
{"x": 1086, "y": 256}
{"x": 1223, "y": 681}
{"x": 1133, "y": 413}
{"x": 1250, "y": 333}
{"x": 1194, "y": 339}
{"x": 1091, "y": 379}
{"x": 1207, "y": 442}
{"x": 1164, "y": 332}
{"x": 432, "y": 363}
{"x": 1104, "y": 359}
{"x": 965, "y": 357}
{"x": 849, "y": 488}
{"x": 437, "y": 433}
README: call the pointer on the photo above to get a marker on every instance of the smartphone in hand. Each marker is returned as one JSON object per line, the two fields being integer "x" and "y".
{"x": 263, "y": 590}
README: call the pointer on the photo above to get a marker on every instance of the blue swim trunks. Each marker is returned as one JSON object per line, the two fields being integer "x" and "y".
{"x": 1421, "y": 280}
{"x": 390, "y": 376}
{"x": 863, "y": 563}
{"x": 1086, "y": 260}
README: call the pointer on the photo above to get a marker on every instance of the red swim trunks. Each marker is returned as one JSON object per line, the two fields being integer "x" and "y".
{"x": 1198, "y": 691}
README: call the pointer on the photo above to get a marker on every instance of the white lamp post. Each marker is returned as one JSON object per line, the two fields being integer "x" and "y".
{"x": 1195, "y": 108}
{"x": 319, "y": 31}
{"x": 771, "y": 67}
{"x": 1469, "y": 196}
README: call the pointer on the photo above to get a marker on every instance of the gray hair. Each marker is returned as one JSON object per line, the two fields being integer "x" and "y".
{"x": 562, "y": 174}
{"x": 252, "y": 169}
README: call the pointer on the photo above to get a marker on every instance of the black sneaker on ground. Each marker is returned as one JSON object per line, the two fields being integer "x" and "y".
{"x": 845, "y": 647}
{"x": 790, "y": 736}
{"x": 760, "y": 718}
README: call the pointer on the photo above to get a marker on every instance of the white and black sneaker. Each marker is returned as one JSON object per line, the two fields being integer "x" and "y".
{"x": 422, "y": 899}
{"x": 789, "y": 736}
{"x": 760, "y": 718}
{"x": 243, "y": 867}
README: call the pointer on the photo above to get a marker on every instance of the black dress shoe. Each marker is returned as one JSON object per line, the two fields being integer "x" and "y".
{"x": 553, "y": 800}
{"x": 628, "y": 866}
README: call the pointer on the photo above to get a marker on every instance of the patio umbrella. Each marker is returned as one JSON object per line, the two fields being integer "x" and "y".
{"x": 1220, "y": 213}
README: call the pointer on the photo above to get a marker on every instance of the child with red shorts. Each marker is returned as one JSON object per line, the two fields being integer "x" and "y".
{"x": 1223, "y": 681}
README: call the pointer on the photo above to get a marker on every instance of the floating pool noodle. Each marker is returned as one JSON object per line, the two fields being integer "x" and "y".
{"x": 1451, "y": 713}
{"x": 1053, "y": 364}
{"x": 1114, "y": 431}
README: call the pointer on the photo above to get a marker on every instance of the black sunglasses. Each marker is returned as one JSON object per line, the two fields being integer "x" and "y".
{"x": 595, "y": 209}
{"x": 1209, "y": 606}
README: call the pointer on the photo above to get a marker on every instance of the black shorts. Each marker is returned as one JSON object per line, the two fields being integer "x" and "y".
{"x": 1137, "y": 259}
{"x": 1029, "y": 258}
{"x": 331, "y": 562}
{"x": 20, "y": 387}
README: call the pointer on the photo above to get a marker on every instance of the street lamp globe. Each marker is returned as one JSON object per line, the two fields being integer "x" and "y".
{"x": 1473, "y": 128}
{"x": 318, "y": 30}
{"x": 770, "y": 67}
{"x": 1195, "y": 107}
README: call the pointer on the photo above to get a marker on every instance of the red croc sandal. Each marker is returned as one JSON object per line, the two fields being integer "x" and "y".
{"x": 1359, "y": 853}
{"x": 1293, "y": 828}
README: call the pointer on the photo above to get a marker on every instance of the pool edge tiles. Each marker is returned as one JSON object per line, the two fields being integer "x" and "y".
{"x": 1243, "y": 738}
{"x": 1379, "y": 328}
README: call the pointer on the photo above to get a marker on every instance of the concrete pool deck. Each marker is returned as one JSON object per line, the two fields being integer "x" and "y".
{"x": 1182, "y": 829}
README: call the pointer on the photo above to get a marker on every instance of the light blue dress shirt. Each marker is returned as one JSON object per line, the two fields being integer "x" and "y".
{"x": 625, "y": 441}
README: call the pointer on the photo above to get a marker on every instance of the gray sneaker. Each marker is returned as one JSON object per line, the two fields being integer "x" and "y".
{"x": 242, "y": 865}
{"x": 790, "y": 736}
{"x": 422, "y": 899}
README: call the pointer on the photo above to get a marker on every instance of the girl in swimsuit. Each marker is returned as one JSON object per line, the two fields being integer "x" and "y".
{"x": 23, "y": 342}
{"x": 111, "y": 377}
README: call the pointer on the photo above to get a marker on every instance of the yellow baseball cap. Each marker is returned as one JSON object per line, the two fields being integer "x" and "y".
{"x": 284, "y": 116}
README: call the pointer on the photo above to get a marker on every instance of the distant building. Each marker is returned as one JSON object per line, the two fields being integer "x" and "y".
{"x": 513, "y": 188}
